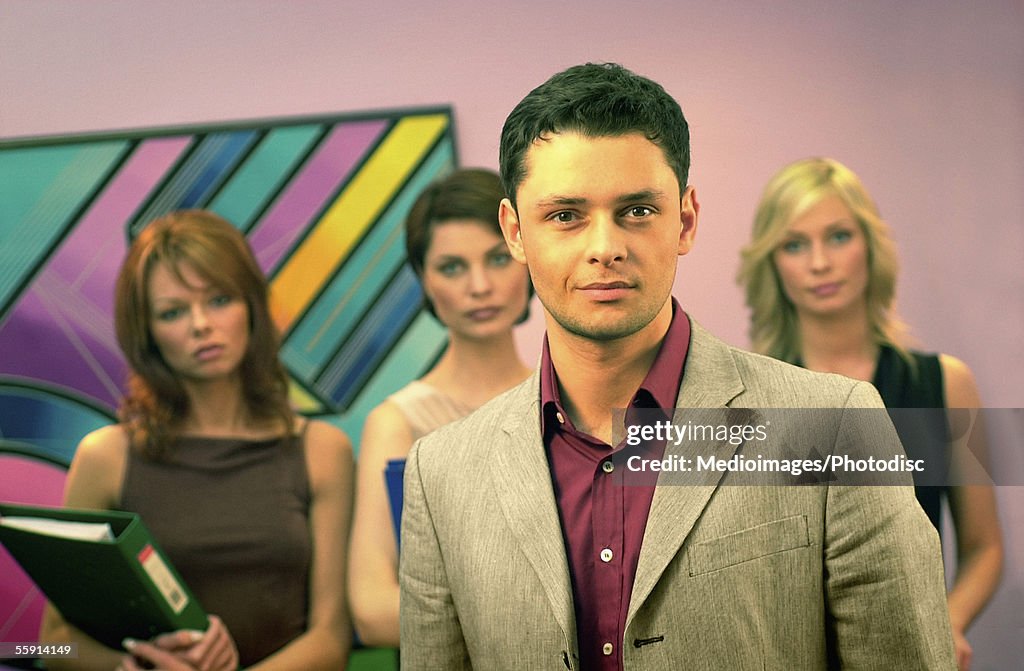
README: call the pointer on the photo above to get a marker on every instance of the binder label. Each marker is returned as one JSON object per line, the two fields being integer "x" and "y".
{"x": 158, "y": 572}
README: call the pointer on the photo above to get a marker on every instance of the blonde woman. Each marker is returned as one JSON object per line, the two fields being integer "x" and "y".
{"x": 820, "y": 279}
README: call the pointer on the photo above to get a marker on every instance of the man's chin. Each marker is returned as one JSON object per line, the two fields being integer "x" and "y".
{"x": 604, "y": 330}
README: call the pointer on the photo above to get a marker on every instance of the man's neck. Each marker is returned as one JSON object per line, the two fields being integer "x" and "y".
{"x": 596, "y": 377}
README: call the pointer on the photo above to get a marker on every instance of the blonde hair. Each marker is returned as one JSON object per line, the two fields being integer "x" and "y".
{"x": 774, "y": 326}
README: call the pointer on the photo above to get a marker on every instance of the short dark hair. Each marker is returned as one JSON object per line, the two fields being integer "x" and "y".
{"x": 469, "y": 193}
{"x": 596, "y": 100}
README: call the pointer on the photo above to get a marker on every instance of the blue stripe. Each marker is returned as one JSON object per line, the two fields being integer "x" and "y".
{"x": 225, "y": 155}
{"x": 374, "y": 337}
{"x": 421, "y": 343}
{"x": 195, "y": 179}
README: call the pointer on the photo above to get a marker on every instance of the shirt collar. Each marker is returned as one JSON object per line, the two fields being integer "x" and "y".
{"x": 660, "y": 387}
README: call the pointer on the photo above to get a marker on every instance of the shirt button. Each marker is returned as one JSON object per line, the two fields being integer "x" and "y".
{"x": 608, "y": 648}
{"x": 608, "y": 467}
{"x": 558, "y": 416}
{"x": 606, "y": 556}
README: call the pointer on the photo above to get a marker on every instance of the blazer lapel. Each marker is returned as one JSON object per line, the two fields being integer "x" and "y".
{"x": 710, "y": 380}
{"x": 523, "y": 489}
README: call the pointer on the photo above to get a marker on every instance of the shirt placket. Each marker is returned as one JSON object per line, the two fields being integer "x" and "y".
{"x": 608, "y": 527}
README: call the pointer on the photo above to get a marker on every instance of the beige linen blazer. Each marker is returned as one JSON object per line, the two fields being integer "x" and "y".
{"x": 729, "y": 577}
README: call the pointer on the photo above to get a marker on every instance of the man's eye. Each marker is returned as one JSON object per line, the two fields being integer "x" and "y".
{"x": 640, "y": 211}
{"x": 564, "y": 217}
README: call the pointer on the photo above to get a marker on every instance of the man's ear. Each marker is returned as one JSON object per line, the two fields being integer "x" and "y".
{"x": 508, "y": 218}
{"x": 689, "y": 209}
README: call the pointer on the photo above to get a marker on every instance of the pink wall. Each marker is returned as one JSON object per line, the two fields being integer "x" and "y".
{"x": 925, "y": 99}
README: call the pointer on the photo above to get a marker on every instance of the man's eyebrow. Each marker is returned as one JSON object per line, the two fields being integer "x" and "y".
{"x": 560, "y": 201}
{"x": 645, "y": 194}
{"x": 642, "y": 195}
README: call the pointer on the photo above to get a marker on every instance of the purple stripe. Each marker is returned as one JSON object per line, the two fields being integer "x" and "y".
{"x": 34, "y": 345}
{"x": 307, "y": 193}
{"x": 80, "y": 275}
{"x": 91, "y": 256}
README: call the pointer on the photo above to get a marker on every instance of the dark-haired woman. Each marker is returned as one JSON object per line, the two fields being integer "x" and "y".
{"x": 474, "y": 288}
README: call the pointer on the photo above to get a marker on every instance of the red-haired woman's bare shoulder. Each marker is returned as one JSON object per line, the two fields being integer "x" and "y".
{"x": 97, "y": 470}
{"x": 106, "y": 439}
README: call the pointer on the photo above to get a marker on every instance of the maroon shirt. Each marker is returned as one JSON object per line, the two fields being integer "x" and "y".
{"x": 603, "y": 521}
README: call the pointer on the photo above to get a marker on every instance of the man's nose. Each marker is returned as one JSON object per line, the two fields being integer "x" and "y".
{"x": 606, "y": 242}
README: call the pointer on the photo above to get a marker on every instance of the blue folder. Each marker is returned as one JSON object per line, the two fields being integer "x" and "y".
{"x": 394, "y": 473}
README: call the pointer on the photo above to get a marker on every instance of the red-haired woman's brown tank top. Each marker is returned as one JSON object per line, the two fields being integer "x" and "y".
{"x": 233, "y": 517}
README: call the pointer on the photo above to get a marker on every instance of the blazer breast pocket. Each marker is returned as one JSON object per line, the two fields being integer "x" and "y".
{"x": 764, "y": 540}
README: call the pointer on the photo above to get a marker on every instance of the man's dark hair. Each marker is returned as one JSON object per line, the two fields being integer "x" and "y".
{"x": 596, "y": 100}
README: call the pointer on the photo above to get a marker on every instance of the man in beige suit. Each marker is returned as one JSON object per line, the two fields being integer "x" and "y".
{"x": 522, "y": 548}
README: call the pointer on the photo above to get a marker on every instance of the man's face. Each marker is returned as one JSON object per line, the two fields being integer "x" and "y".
{"x": 600, "y": 222}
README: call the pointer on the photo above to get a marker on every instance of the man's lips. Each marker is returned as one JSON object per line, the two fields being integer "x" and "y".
{"x": 606, "y": 291}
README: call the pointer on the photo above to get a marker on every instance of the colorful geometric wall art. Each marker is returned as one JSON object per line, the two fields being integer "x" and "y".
{"x": 321, "y": 200}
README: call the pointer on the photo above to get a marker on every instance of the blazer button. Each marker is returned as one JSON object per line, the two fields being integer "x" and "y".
{"x": 608, "y": 649}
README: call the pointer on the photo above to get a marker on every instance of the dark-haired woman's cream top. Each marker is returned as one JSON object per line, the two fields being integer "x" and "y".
{"x": 426, "y": 408}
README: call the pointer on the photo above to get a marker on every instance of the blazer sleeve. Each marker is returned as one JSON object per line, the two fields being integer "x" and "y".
{"x": 431, "y": 635}
{"x": 884, "y": 586}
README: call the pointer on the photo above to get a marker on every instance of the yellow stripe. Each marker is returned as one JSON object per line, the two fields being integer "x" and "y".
{"x": 301, "y": 400}
{"x": 354, "y": 211}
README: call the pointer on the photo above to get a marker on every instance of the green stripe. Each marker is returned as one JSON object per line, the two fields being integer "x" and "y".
{"x": 40, "y": 189}
{"x": 263, "y": 174}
